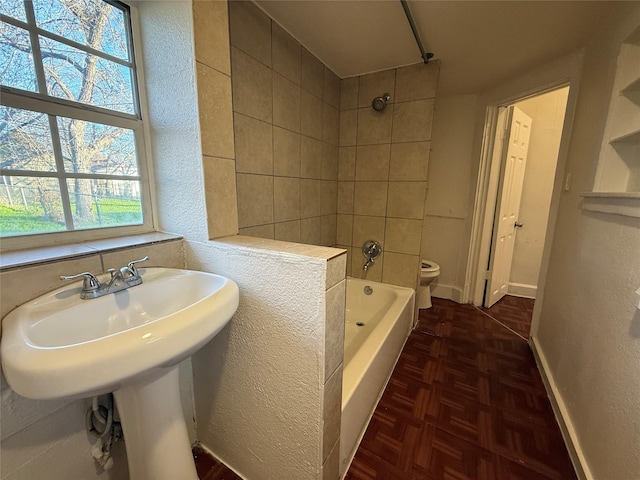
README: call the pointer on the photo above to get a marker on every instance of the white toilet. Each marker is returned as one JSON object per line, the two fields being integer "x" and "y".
{"x": 429, "y": 271}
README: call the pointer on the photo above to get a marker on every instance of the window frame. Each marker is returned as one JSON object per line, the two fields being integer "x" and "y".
{"x": 60, "y": 107}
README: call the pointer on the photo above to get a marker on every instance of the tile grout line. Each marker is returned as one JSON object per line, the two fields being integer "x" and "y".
{"x": 498, "y": 321}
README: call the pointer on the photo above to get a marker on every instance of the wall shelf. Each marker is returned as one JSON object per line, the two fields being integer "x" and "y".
{"x": 632, "y": 137}
{"x": 631, "y": 88}
{"x": 619, "y": 163}
{"x": 617, "y": 203}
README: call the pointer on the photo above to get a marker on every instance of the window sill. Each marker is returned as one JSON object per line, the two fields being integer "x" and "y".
{"x": 615, "y": 203}
{"x": 38, "y": 256}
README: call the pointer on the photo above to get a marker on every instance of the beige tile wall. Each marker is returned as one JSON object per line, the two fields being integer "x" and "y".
{"x": 333, "y": 365}
{"x": 286, "y": 123}
{"x": 213, "y": 70}
{"x": 313, "y": 162}
{"x": 382, "y": 169}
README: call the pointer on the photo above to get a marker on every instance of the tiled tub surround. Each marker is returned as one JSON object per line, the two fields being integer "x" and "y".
{"x": 47, "y": 438}
{"x": 382, "y": 169}
{"x": 286, "y": 126}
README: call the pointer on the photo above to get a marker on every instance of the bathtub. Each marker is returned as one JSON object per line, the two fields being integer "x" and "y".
{"x": 376, "y": 328}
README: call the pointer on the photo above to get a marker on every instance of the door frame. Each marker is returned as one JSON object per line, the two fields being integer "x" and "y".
{"x": 487, "y": 186}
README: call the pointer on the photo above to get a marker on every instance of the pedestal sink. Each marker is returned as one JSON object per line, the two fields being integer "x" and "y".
{"x": 128, "y": 343}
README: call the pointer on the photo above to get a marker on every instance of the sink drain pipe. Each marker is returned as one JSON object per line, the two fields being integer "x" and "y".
{"x": 101, "y": 425}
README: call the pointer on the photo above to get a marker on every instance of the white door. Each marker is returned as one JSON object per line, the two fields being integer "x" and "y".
{"x": 514, "y": 160}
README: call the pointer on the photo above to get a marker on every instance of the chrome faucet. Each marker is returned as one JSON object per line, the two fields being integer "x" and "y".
{"x": 367, "y": 264}
{"x": 371, "y": 250}
{"x": 126, "y": 277}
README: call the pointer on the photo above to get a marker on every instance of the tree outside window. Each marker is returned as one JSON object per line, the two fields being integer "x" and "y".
{"x": 70, "y": 124}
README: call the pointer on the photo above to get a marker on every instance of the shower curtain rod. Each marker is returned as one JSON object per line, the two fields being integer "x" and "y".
{"x": 425, "y": 55}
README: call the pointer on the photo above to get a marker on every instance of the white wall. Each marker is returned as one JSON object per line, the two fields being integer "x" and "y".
{"x": 269, "y": 387}
{"x": 588, "y": 332}
{"x": 170, "y": 87}
{"x": 446, "y": 207}
{"x": 547, "y": 111}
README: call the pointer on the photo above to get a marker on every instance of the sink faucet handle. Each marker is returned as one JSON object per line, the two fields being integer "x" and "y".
{"x": 90, "y": 282}
{"x": 132, "y": 265}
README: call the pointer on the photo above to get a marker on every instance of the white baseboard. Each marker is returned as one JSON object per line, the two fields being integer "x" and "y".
{"x": 522, "y": 290}
{"x": 562, "y": 415}
{"x": 449, "y": 292}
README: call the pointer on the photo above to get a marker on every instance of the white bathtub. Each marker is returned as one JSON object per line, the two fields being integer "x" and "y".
{"x": 370, "y": 354}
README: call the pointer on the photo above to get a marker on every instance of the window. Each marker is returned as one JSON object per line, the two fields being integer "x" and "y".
{"x": 71, "y": 132}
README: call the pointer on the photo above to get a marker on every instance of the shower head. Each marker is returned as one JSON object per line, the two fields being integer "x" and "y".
{"x": 379, "y": 103}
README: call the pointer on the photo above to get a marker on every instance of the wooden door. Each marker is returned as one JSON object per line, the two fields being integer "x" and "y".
{"x": 514, "y": 161}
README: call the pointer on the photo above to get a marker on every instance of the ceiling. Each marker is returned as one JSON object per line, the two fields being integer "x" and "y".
{"x": 479, "y": 43}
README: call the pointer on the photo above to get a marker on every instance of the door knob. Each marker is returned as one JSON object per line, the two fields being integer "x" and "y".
{"x": 517, "y": 224}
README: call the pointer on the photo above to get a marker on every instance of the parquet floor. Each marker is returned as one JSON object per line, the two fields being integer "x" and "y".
{"x": 209, "y": 468}
{"x": 513, "y": 312}
{"x": 465, "y": 401}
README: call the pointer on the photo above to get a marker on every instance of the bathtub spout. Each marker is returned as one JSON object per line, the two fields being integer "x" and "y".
{"x": 366, "y": 266}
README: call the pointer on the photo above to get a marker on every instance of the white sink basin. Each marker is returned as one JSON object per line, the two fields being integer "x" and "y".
{"x": 61, "y": 346}
{"x": 128, "y": 343}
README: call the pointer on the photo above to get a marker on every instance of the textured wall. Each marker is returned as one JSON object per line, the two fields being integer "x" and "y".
{"x": 382, "y": 171}
{"x": 285, "y": 104}
{"x": 268, "y": 387}
{"x": 589, "y": 328}
{"x": 173, "y": 118}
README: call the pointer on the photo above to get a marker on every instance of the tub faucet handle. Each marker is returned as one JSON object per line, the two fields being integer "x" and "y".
{"x": 371, "y": 249}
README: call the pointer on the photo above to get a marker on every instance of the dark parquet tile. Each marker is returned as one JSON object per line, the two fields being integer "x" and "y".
{"x": 465, "y": 401}
{"x": 514, "y": 312}
{"x": 445, "y": 456}
{"x": 459, "y": 416}
{"x": 509, "y": 396}
{"x": 466, "y": 382}
{"x": 209, "y": 468}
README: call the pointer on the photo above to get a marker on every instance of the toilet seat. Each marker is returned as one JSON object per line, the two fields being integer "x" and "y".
{"x": 427, "y": 266}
